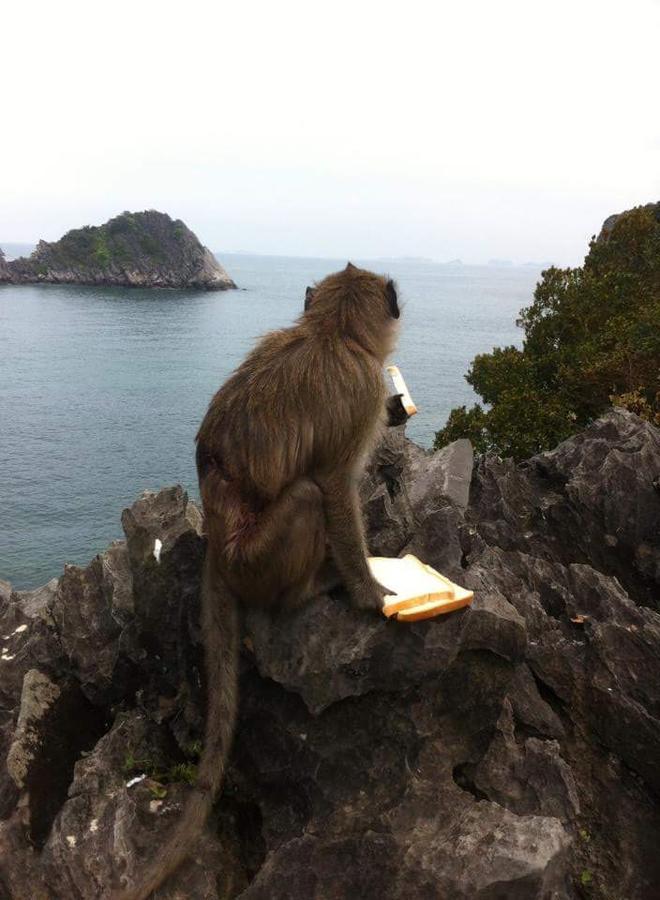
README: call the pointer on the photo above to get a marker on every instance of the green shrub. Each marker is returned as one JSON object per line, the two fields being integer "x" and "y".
{"x": 592, "y": 339}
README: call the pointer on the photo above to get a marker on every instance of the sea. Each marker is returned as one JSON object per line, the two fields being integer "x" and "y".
{"x": 102, "y": 389}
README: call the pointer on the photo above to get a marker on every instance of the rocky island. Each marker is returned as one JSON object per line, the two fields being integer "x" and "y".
{"x": 507, "y": 751}
{"x": 141, "y": 249}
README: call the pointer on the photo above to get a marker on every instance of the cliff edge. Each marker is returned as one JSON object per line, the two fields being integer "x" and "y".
{"x": 141, "y": 249}
{"x": 508, "y": 750}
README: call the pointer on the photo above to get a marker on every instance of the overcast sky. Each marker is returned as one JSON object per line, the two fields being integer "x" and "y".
{"x": 470, "y": 129}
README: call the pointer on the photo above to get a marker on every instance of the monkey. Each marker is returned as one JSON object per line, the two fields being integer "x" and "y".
{"x": 279, "y": 454}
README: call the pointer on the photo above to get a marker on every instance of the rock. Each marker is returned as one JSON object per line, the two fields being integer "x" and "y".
{"x": 593, "y": 500}
{"x": 526, "y": 777}
{"x": 445, "y": 473}
{"x": 38, "y": 696}
{"x": 142, "y": 249}
{"x": 405, "y": 486}
{"x": 331, "y": 652}
{"x": 503, "y": 751}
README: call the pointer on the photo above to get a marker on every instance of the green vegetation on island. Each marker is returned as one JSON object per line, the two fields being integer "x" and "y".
{"x": 592, "y": 340}
{"x": 144, "y": 249}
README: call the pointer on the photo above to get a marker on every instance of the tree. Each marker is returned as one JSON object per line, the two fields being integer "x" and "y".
{"x": 592, "y": 338}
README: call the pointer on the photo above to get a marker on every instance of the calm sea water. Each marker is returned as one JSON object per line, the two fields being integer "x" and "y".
{"x": 102, "y": 390}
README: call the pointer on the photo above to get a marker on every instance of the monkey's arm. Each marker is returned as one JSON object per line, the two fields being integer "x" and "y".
{"x": 346, "y": 535}
{"x": 396, "y": 411}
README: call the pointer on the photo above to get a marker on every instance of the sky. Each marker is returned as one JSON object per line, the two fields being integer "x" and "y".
{"x": 471, "y": 129}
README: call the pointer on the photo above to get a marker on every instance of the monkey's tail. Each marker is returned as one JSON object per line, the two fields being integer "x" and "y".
{"x": 220, "y": 630}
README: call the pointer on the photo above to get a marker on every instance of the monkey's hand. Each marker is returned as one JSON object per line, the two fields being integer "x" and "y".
{"x": 369, "y": 595}
{"x": 396, "y": 411}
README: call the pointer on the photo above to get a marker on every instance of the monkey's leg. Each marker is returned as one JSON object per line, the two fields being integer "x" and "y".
{"x": 326, "y": 578}
{"x": 346, "y": 534}
{"x": 289, "y": 519}
{"x": 289, "y": 547}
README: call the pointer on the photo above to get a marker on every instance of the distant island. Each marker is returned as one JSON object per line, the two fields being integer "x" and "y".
{"x": 140, "y": 249}
{"x": 500, "y": 263}
{"x": 5, "y": 274}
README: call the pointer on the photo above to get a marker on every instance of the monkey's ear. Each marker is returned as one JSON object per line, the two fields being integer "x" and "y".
{"x": 309, "y": 295}
{"x": 392, "y": 299}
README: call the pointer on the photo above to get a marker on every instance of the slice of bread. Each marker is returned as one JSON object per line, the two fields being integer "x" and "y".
{"x": 400, "y": 387}
{"x": 418, "y": 591}
{"x": 431, "y": 609}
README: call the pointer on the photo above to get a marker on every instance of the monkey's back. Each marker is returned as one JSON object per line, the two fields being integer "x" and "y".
{"x": 300, "y": 401}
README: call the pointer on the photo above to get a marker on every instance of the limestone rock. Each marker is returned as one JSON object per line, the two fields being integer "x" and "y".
{"x": 504, "y": 751}
{"x": 142, "y": 249}
{"x": 38, "y": 696}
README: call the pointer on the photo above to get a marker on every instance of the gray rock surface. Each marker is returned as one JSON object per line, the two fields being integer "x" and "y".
{"x": 141, "y": 249}
{"x": 504, "y": 751}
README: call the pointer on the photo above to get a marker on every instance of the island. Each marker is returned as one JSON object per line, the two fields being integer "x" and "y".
{"x": 135, "y": 249}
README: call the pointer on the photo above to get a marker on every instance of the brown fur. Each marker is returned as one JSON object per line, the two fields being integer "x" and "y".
{"x": 279, "y": 454}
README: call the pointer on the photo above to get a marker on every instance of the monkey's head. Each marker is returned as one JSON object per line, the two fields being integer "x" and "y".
{"x": 356, "y": 304}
